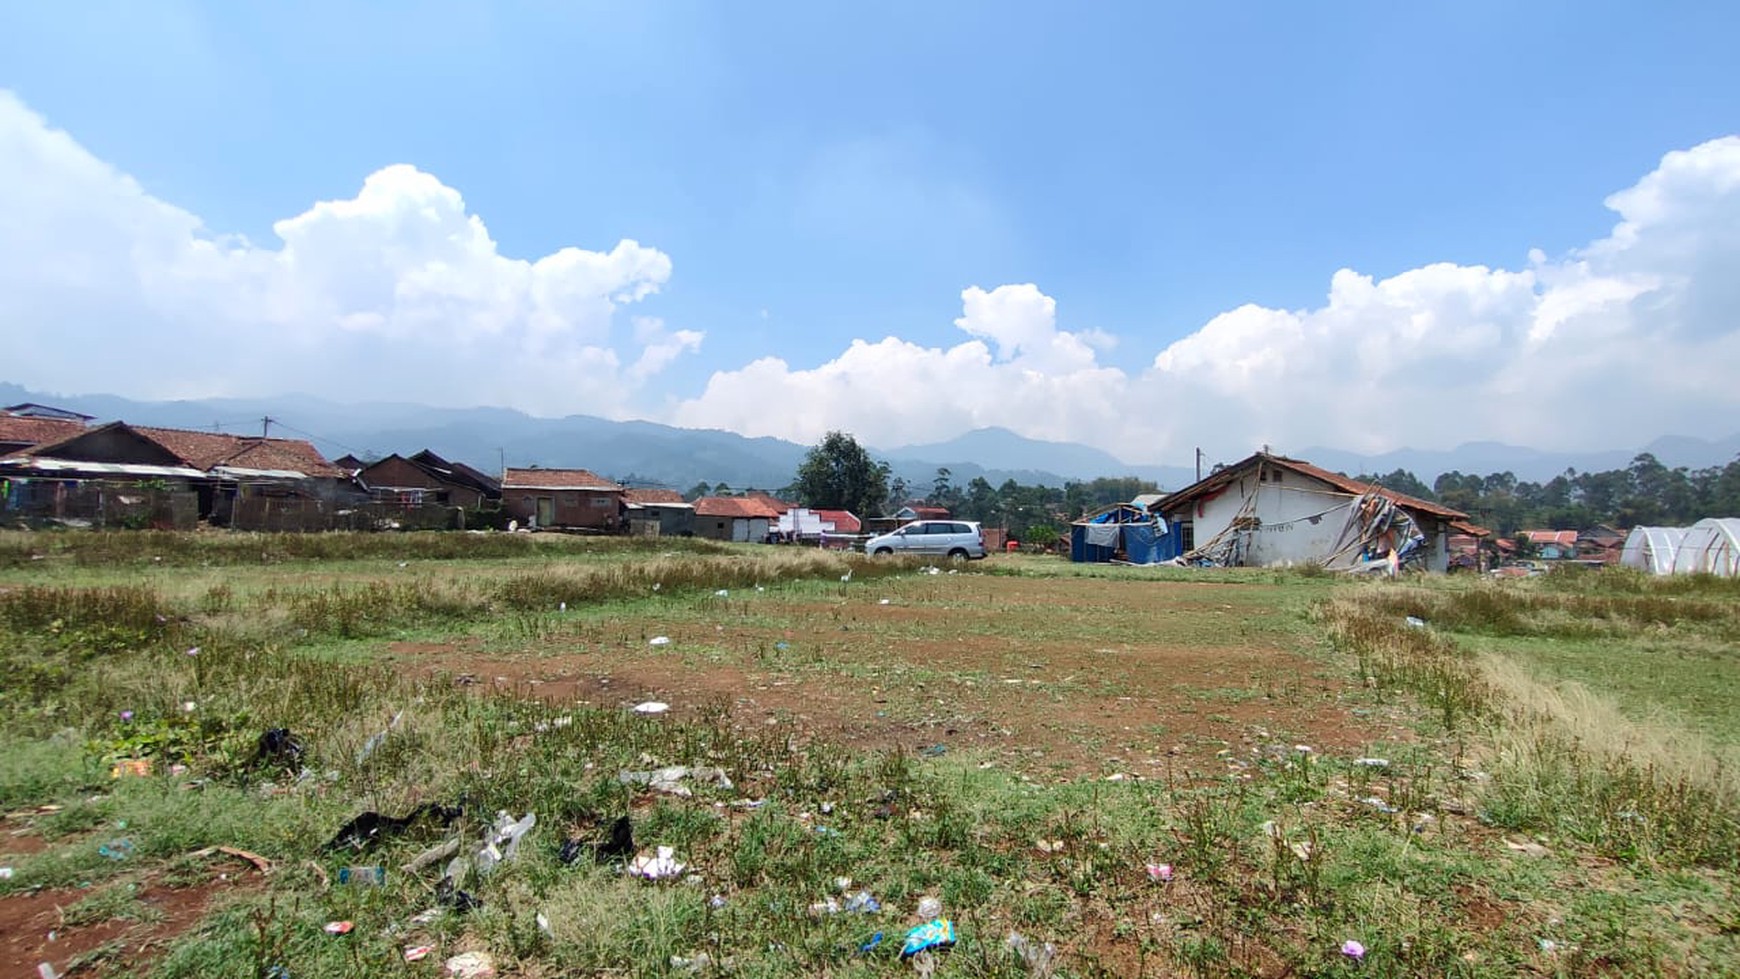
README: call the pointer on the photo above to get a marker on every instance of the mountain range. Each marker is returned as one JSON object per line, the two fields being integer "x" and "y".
{"x": 647, "y": 453}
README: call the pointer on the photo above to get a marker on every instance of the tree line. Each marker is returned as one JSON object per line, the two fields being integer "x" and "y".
{"x": 1644, "y": 492}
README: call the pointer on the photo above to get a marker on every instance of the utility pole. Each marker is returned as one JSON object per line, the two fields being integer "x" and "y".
{"x": 266, "y": 426}
{"x": 501, "y": 460}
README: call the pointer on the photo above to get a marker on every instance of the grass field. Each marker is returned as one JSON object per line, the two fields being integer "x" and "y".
{"x": 1024, "y": 739}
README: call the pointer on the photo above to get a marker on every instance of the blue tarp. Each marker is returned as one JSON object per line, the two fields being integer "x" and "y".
{"x": 1141, "y": 537}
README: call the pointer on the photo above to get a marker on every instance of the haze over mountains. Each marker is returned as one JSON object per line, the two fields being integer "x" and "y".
{"x": 653, "y": 454}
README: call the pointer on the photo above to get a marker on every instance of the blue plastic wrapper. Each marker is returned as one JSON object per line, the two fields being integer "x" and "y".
{"x": 939, "y": 933}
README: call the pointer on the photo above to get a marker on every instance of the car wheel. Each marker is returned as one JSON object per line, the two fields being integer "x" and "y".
{"x": 884, "y": 551}
{"x": 958, "y": 554}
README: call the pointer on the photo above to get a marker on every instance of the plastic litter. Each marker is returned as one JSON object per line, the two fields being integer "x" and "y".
{"x": 339, "y": 927}
{"x": 934, "y": 751}
{"x": 370, "y": 827}
{"x": 1415, "y": 622}
{"x": 657, "y": 866}
{"x": 278, "y": 746}
{"x": 870, "y": 946}
{"x": 723, "y": 593}
{"x": 1353, "y": 950}
{"x": 652, "y": 707}
{"x": 363, "y": 876}
{"x": 1372, "y": 762}
{"x": 116, "y": 849}
{"x": 5, "y": 873}
{"x": 929, "y": 908}
{"x": 131, "y": 766}
{"x": 670, "y": 779}
{"x": 1161, "y": 872}
{"x": 659, "y": 640}
{"x": 501, "y": 843}
{"x": 617, "y": 845}
{"x": 1040, "y": 959}
{"x": 937, "y": 933}
{"x": 1379, "y": 804}
{"x": 45, "y": 970}
{"x": 471, "y": 965}
{"x": 417, "y": 953}
{"x": 378, "y": 739}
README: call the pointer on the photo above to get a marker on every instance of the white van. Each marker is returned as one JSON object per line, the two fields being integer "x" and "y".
{"x": 958, "y": 539}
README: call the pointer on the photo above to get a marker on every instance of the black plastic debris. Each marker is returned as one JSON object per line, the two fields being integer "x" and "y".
{"x": 449, "y": 896}
{"x": 279, "y": 747}
{"x": 617, "y": 845}
{"x": 370, "y": 827}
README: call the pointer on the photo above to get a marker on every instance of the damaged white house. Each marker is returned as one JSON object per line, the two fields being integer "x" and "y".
{"x": 1270, "y": 510}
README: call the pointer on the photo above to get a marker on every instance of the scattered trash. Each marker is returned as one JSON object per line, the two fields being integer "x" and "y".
{"x": 934, "y": 751}
{"x": 440, "y": 851}
{"x": 618, "y": 844}
{"x": 1303, "y": 749}
{"x": 126, "y": 715}
{"x": 1301, "y": 850}
{"x": 702, "y": 963}
{"x": 379, "y": 738}
{"x": 544, "y": 925}
{"x": 194, "y": 651}
{"x": 870, "y": 946}
{"x": 339, "y": 927}
{"x": 722, "y": 593}
{"x": 659, "y": 640}
{"x": 501, "y": 843}
{"x": 929, "y": 908}
{"x": 116, "y": 849}
{"x": 370, "y": 827}
{"x": 471, "y": 965}
{"x": 426, "y": 917}
{"x": 1415, "y": 622}
{"x": 45, "y": 970}
{"x": 1528, "y": 848}
{"x": 1379, "y": 804}
{"x": 417, "y": 953}
{"x": 1161, "y": 872}
{"x": 1048, "y": 846}
{"x": 716, "y": 902}
{"x": 1372, "y": 762}
{"x": 862, "y": 902}
{"x": 782, "y": 645}
{"x": 670, "y": 780}
{"x": 1039, "y": 959}
{"x": 280, "y": 746}
{"x": 5, "y": 873}
{"x": 260, "y": 863}
{"x": 652, "y": 707}
{"x": 561, "y": 606}
{"x": 131, "y": 766}
{"x": 1353, "y": 950}
{"x": 363, "y": 876}
{"x": 885, "y": 602}
{"x": 657, "y": 867}
{"x": 936, "y": 933}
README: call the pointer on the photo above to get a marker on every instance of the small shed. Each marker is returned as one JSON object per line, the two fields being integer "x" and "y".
{"x": 735, "y": 518}
{"x": 575, "y": 498}
{"x": 657, "y": 513}
{"x": 1122, "y": 532}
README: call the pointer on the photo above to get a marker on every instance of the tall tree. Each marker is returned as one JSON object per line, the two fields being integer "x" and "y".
{"x": 838, "y": 474}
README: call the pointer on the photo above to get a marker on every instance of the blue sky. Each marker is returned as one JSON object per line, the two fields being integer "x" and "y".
{"x": 820, "y": 173}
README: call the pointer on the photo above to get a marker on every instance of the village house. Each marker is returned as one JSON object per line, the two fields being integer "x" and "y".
{"x": 1551, "y": 545}
{"x": 568, "y": 498}
{"x": 657, "y": 513}
{"x": 217, "y": 470}
{"x": 737, "y": 518}
{"x": 1271, "y": 510}
{"x": 426, "y": 478}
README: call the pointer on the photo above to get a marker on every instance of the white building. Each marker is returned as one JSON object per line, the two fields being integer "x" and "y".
{"x": 1271, "y": 510}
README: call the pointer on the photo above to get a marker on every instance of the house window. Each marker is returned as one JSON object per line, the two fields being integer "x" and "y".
{"x": 1187, "y": 536}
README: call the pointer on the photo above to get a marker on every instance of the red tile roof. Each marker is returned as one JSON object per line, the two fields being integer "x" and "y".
{"x": 736, "y": 506}
{"x": 1563, "y": 538}
{"x": 844, "y": 521}
{"x": 36, "y": 431}
{"x": 205, "y": 450}
{"x": 579, "y": 479}
{"x": 929, "y": 512}
{"x": 653, "y": 497}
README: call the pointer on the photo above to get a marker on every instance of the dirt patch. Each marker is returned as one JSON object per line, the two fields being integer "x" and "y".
{"x": 33, "y": 926}
{"x": 1063, "y": 678}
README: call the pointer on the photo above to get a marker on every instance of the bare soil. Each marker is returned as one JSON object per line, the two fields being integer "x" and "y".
{"x": 33, "y": 929}
{"x": 1062, "y": 678}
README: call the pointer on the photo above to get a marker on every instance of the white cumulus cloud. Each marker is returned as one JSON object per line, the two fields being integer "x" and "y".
{"x": 1633, "y": 336}
{"x": 397, "y": 292}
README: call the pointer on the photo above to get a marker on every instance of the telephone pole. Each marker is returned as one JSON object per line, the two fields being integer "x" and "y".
{"x": 266, "y": 426}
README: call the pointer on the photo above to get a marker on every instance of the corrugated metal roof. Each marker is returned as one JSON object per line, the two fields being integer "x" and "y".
{"x": 1352, "y": 487}
{"x": 49, "y": 465}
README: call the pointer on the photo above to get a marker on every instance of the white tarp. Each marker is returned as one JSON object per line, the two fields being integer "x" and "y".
{"x": 1710, "y": 546}
{"x": 1652, "y": 549}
